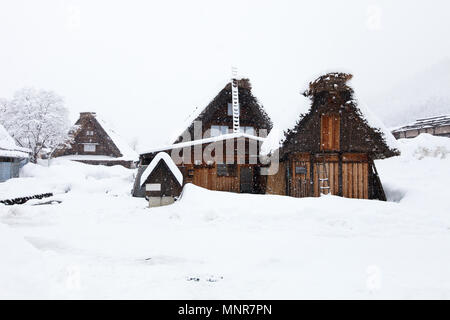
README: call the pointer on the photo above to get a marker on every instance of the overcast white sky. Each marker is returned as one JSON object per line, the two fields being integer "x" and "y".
{"x": 146, "y": 65}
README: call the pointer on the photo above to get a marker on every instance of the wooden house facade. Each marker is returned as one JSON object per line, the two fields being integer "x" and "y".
{"x": 94, "y": 142}
{"x": 210, "y": 155}
{"x": 331, "y": 148}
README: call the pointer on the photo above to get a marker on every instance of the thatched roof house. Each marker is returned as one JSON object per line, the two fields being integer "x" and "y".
{"x": 95, "y": 142}
{"x": 331, "y": 148}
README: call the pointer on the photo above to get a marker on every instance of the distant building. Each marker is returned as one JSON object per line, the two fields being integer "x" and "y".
{"x": 94, "y": 142}
{"x": 12, "y": 157}
{"x": 437, "y": 126}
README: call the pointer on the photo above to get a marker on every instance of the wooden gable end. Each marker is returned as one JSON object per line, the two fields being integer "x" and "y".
{"x": 161, "y": 175}
{"x": 105, "y": 145}
{"x": 335, "y": 124}
{"x": 90, "y": 132}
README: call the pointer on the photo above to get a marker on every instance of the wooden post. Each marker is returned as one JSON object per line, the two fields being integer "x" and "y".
{"x": 340, "y": 191}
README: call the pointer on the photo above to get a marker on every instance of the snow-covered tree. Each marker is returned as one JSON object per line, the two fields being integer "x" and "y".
{"x": 36, "y": 120}
{"x": 3, "y": 106}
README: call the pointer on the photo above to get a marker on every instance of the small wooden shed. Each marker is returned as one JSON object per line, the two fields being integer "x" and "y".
{"x": 161, "y": 180}
{"x": 332, "y": 148}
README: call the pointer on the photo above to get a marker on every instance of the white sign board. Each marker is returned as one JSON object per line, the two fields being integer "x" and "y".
{"x": 153, "y": 187}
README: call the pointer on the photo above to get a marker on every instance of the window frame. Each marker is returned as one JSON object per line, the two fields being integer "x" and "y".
{"x": 219, "y": 129}
{"x": 226, "y": 170}
{"x": 85, "y": 145}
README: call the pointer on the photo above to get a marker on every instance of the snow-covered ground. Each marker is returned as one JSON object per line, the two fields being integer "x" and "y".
{"x": 99, "y": 242}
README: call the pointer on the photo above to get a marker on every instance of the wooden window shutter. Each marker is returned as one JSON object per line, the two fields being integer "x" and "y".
{"x": 329, "y": 132}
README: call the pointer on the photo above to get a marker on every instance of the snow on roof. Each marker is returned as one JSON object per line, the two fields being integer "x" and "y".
{"x": 374, "y": 122}
{"x": 205, "y": 141}
{"x": 169, "y": 162}
{"x": 8, "y": 147}
{"x": 276, "y": 136}
{"x": 121, "y": 144}
{"x": 204, "y": 103}
{"x": 430, "y": 122}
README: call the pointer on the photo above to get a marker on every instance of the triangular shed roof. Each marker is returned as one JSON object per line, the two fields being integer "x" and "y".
{"x": 165, "y": 158}
{"x": 361, "y": 131}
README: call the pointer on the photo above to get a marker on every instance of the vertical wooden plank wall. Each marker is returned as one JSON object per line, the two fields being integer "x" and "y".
{"x": 355, "y": 180}
{"x": 276, "y": 184}
{"x": 206, "y": 177}
{"x": 333, "y": 177}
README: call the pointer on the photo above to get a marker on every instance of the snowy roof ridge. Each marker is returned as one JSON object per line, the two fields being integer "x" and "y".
{"x": 121, "y": 144}
{"x": 277, "y": 136}
{"x": 204, "y": 141}
{"x": 170, "y": 164}
{"x": 9, "y": 148}
{"x": 197, "y": 111}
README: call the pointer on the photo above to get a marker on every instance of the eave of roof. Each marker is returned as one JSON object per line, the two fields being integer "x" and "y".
{"x": 203, "y": 141}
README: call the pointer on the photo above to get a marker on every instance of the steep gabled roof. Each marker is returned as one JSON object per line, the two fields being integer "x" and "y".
{"x": 203, "y": 114}
{"x": 9, "y": 148}
{"x": 122, "y": 149}
{"x": 385, "y": 144}
{"x": 162, "y": 156}
{"x": 119, "y": 142}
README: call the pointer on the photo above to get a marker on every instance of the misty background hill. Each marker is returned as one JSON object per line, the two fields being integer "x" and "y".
{"x": 423, "y": 94}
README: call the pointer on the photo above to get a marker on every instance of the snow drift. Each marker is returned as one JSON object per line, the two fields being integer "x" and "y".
{"x": 100, "y": 242}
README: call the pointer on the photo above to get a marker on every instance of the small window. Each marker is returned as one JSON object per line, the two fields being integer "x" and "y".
{"x": 218, "y": 130}
{"x": 89, "y": 133}
{"x": 230, "y": 108}
{"x": 248, "y": 130}
{"x": 89, "y": 147}
{"x": 226, "y": 170}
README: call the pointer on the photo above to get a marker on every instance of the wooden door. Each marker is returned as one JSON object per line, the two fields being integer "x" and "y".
{"x": 329, "y": 132}
{"x": 246, "y": 180}
{"x": 301, "y": 179}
